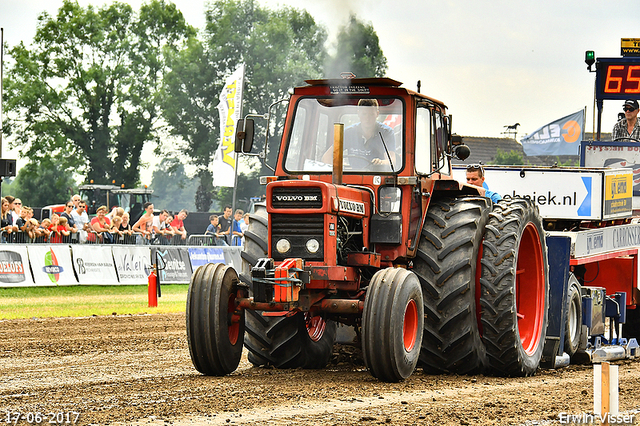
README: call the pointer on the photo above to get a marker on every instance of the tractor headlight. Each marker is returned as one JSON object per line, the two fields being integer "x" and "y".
{"x": 283, "y": 245}
{"x": 313, "y": 245}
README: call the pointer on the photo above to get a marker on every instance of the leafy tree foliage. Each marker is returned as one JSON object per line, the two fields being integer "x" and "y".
{"x": 280, "y": 48}
{"x": 511, "y": 158}
{"x": 40, "y": 183}
{"x": 357, "y": 51}
{"x": 87, "y": 90}
{"x": 172, "y": 188}
{"x": 248, "y": 187}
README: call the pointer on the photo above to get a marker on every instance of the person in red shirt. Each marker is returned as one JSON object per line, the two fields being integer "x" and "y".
{"x": 102, "y": 225}
{"x": 178, "y": 224}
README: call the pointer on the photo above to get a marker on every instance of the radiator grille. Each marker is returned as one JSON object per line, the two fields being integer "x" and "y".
{"x": 298, "y": 229}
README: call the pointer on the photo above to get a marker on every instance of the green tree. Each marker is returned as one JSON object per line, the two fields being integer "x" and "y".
{"x": 511, "y": 158}
{"x": 357, "y": 51}
{"x": 89, "y": 86}
{"x": 172, "y": 188}
{"x": 39, "y": 183}
{"x": 248, "y": 187}
{"x": 280, "y": 48}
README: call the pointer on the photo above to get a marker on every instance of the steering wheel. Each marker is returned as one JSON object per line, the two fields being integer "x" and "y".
{"x": 359, "y": 160}
{"x": 626, "y": 138}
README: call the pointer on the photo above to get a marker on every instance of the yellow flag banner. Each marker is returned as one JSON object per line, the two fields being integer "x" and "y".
{"x": 230, "y": 110}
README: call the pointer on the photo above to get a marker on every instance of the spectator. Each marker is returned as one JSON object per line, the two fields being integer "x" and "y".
{"x": 237, "y": 230}
{"x": 115, "y": 228}
{"x": 225, "y": 224}
{"x": 32, "y": 228}
{"x": 125, "y": 226}
{"x": 244, "y": 225}
{"x": 81, "y": 220}
{"x": 159, "y": 227}
{"x": 5, "y": 220}
{"x": 43, "y": 229}
{"x": 214, "y": 230}
{"x": 67, "y": 213}
{"x": 76, "y": 201}
{"x": 144, "y": 225}
{"x": 102, "y": 225}
{"x": 59, "y": 230}
{"x": 116, "y": 211}
{"x": 178, "y": 224}
{"x": 15, "y": 205}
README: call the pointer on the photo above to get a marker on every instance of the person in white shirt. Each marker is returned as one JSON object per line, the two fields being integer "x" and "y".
{"x": 81, "y": 219}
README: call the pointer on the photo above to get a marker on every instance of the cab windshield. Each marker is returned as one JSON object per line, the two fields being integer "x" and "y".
{"x": 373, "y": 136}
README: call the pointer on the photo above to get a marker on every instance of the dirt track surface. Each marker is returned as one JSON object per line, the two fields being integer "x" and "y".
{"x": 136, "y": 370}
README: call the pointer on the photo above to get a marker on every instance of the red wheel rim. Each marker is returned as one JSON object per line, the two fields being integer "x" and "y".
{"x": 530, "y": 289}
{"x": 410, "y": 325}
{"x": 234, "y": 320}
{"x": 315, "y": 326}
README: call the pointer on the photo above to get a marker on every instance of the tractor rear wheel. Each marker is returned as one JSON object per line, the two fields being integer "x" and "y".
{"x": 256, "y": 238}
{"x": 573, "y": 323}
{"x": 447, "y": 264}
{"x": 215, "y": 328}
{"x": 392, "y": 323}
{"x": 515, "y": 288}
{"x": 631, "y": 328}
{"x": 299, "y": 341}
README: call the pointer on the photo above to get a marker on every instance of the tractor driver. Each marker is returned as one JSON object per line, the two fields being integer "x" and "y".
{"x": 364, "y": 142}
{"x": 475, "y": 176}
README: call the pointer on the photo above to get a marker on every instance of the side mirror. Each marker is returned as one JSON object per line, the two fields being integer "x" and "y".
{"x": 244, "y": 135}
{"x": 461, "y": 152}
{"x": 456, "y": 139}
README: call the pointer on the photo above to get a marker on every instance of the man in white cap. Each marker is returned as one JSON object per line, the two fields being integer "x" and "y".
{"x": 628, "y": 127}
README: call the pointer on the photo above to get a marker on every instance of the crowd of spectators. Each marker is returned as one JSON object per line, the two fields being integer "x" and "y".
{"x": 227, "y": 231}
{"x": 73, "y": 225}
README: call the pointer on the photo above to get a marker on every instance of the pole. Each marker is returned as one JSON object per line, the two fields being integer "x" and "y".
{"x": 235, "y": 177}
{"x": 1, "y": 88}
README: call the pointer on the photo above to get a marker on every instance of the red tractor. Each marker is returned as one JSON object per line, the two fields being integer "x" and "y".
{"x": 364, "y": 226}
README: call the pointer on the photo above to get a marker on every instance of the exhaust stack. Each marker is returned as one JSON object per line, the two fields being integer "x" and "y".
{"x": 338, "y": 143}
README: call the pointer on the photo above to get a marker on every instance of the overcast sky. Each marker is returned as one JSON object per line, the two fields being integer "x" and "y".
{"x": 493, "y": 63}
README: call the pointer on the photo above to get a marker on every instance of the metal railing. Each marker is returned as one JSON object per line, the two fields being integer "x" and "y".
{"x": 90, "y": 237}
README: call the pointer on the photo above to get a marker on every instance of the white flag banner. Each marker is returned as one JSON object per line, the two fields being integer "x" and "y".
{"x": 230, "y": 109}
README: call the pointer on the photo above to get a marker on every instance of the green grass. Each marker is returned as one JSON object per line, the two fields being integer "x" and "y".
{"x": 82, "y": 301}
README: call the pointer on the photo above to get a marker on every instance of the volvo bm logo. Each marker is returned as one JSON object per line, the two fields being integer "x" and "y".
{"x": 296, "y": 197}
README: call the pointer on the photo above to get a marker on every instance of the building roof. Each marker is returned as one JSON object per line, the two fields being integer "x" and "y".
{"x": 485, "y": 149}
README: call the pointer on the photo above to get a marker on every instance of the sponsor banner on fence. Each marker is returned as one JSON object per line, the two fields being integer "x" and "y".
{"x": 94, "y": 264}
{"x": 228, "y": 255}
{"x": 133, "y": 264}
{"x": 174, "y": 266}
{"x": 52, "y": 265}
{"x": 14, "y": 267}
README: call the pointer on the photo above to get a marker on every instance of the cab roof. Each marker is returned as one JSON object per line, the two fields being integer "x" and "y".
{"x": 377, "y": 82}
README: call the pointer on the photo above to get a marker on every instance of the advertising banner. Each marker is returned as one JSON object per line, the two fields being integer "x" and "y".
{"x": 230, "y": 109}
{"x": 586, "y": 194}
{"x": 52, "y": 265}
{"x": 174, "y": 265}
{"x": 133, "y": 264}
{"x": 625, "y": 154}
{"x": 94, "y": 264}
{"x": 14, "y": 267}
{"x": 228, "y": 255}
{"x": 560, "y": 137}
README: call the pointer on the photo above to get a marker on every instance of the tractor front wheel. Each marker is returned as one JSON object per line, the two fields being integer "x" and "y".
{"x": 215, "y": 327}
{"x": 392, "y": 323}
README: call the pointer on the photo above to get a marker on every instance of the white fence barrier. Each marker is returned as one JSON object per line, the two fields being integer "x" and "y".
{"x": 62, "y": 264}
